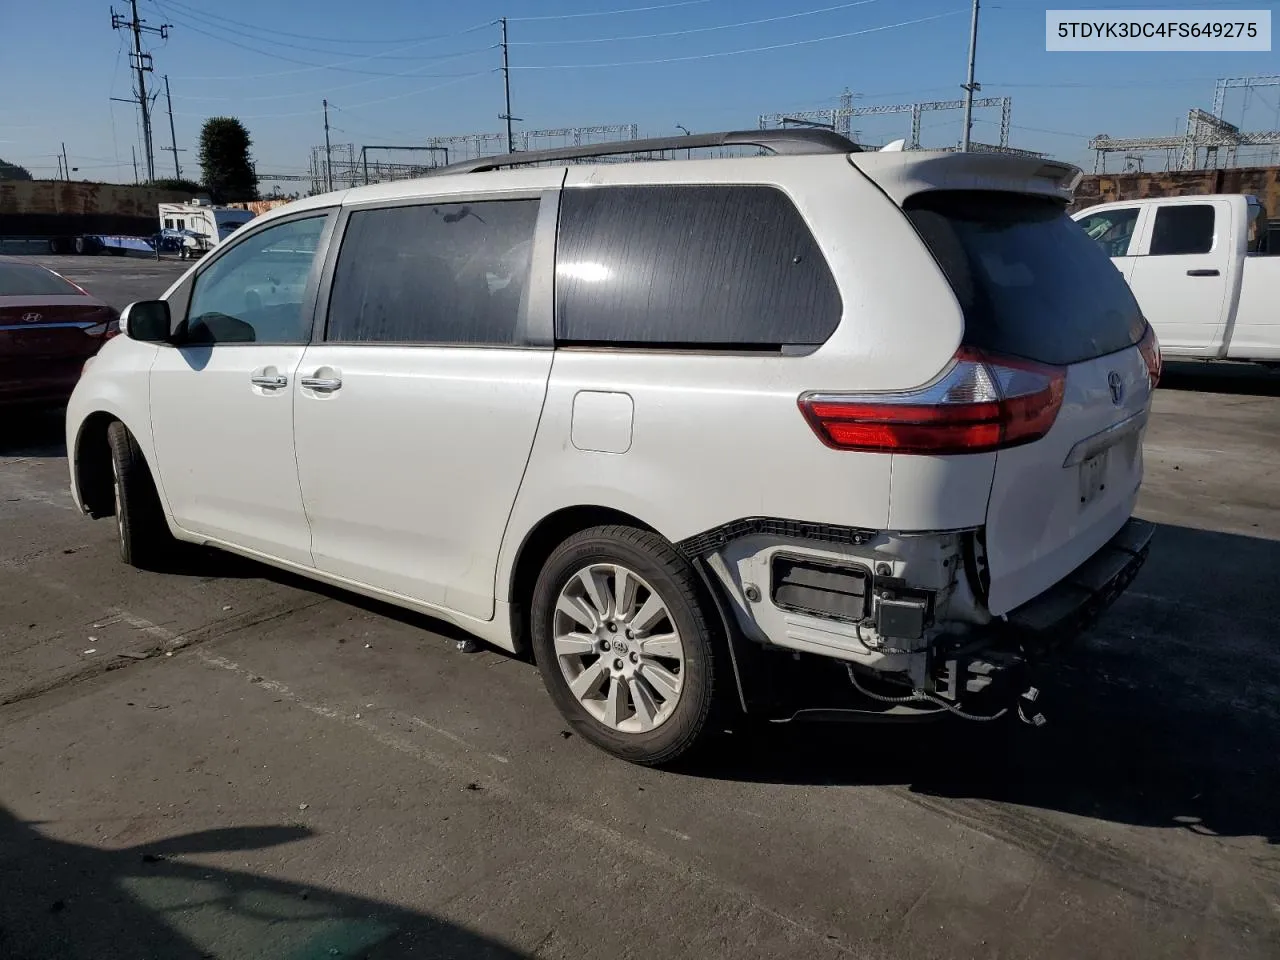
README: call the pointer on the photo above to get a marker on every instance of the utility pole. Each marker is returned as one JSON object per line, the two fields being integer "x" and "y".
{"x": 173, "y": 137}
{"x": 66, "y": 167}
{"x": 506, "y": 83}
{"x": 328, "y": 151}
{"x": 142, "y": 65}
{"x": 134, "y": 151}
{"x": 972, "y": 85}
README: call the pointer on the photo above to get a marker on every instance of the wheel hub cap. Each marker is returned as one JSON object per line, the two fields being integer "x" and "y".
{"x": 618, "y": 648}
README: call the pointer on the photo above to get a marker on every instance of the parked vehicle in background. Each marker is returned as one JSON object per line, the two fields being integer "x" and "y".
{"x": 821, "y": 430}
{"x": 200, "y": 226}
{"x": 1203, "y": 269}
{"x": 49, "y": 328}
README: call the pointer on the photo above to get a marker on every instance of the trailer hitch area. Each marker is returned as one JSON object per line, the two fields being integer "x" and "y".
{"x": 978, "y": 673}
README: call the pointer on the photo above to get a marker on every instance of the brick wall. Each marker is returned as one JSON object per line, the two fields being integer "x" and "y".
{"x": 1262, "y": 182}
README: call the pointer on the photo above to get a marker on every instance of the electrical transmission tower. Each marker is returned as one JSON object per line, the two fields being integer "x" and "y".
{"x": 141, "y": 63}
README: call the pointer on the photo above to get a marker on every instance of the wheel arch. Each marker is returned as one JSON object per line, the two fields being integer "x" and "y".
{"x": 91, "y": 465}
{"x": 536, "y": 547}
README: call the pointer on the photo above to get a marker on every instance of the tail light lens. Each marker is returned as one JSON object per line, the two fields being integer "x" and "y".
{"x": 1150, "y": 347}
{"x": 982, "y": 403}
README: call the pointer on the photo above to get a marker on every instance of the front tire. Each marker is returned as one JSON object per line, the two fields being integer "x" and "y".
{"x": 623, "y": 643}
{"x": 143, "y": 534}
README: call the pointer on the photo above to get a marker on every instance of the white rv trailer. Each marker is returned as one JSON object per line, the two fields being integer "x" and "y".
{"x": 201, "y": 225}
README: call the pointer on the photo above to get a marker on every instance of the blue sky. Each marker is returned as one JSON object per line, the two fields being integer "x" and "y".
{"x": 397, "y": 71}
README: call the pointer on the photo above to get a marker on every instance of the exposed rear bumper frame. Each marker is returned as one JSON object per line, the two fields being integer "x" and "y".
{"x": 818, "y": 686}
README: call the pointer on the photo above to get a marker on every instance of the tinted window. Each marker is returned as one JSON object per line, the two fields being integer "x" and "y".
{"x": 254, "y": 293}
{"x": 690, "y": 266}
{"x": 1030, "y": 281}
{"x": 1182, "y": 229}
{"x": 1111, "y": 230}
{"x": 446, "y": 273}
{"x": 29, "y": 280}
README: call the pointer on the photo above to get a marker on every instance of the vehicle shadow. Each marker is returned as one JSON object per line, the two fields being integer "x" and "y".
{"x": 68, "y": 901}
{"x": 1166, "y": 715}
{"x": 34, "y": 433}
{"x": 1247, "y": 379}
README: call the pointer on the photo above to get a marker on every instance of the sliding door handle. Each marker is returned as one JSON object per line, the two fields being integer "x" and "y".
{"x": 1203, "y": 273}
{"x": 323, "y": 384}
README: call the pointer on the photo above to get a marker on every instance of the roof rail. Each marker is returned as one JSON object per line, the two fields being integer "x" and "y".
{"x": 779, "y": 141}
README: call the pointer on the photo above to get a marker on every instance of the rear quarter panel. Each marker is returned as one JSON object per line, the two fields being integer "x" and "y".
{"x": 713, "y": 438}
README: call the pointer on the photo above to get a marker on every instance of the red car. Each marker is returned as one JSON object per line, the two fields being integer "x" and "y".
{"x": 49, "y": 327}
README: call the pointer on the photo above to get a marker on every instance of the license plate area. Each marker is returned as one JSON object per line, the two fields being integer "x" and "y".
{"x": 1093, "y": 477}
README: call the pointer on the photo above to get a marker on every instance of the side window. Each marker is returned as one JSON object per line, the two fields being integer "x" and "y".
{"x": 1112, "y": 230}
{"x": 676, "y": 266}
{"x": 451, "y": 273}
{"x": 1182, "y": 229}
{"x": 1257, "y": 229}
{"x": 254, "y": 292}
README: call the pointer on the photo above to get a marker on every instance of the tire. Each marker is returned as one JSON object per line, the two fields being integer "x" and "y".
{"x": 143, "y": 533}
{"x": 81, "y": 245}
{"x": 629, "y": 705}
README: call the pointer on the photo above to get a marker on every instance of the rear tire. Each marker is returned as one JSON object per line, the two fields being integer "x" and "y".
{"x": 632, "y": 668}
{"x": 143, "y": 533}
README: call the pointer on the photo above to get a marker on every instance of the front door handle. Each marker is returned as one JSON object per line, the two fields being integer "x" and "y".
{"x": 269, "y": 382}
{"x": 1202, "y": 273}
{"x": 323, "y": 384}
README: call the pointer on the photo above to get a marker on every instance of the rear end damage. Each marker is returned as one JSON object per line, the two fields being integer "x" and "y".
{"x": 836, "y": 623}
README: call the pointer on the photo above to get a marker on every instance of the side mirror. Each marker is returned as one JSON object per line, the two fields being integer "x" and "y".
{"x": 147, "y": 321}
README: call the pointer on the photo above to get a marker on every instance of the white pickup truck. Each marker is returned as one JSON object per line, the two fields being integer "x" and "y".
{"x": 1200, "y": 269}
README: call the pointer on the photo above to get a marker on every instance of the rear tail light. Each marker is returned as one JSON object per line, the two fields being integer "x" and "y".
{"x": 1150, "y": 347}
{"x": 105, "y": 330}
{"x": 982, "y": 403}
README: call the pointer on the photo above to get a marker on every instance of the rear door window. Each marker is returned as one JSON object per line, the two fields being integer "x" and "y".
{"x": 1112, "y": 230}
{"x": 1030, "y": 281}
{"x": 731, "y": 267}
{"x": 1182, "y": 229}
{"x": 449, "y": 273}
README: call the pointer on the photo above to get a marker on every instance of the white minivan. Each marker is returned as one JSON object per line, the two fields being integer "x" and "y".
{"x": 821, "y": 430}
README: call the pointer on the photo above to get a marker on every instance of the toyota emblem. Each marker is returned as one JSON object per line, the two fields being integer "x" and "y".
{"x": 1117, "y": 387}
{"x": 32, "y": 317}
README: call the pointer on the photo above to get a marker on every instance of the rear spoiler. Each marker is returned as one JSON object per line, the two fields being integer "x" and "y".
{"x": 906, "y": 173}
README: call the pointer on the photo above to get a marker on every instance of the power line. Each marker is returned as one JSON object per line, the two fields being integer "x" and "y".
{"x": 387, "y": 55}
{"x": 692, "y": 30}
{"x": 357, "y": 106}
{"x": 258, "y": 29}
{"x": 734, "y": 53}
{"x": 339, "y": 65}
{"x": 1056, "y": 133}
{"x": 608, "y": 13}
{"x": 411, "y": 74}
{"x": 1182, "y": 81}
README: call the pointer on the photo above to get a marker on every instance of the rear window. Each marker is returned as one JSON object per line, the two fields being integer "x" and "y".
{"x": 29, "y": 280}
{"x": 1031, "y": 283}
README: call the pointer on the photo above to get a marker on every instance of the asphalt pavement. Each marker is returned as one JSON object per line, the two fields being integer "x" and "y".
{"x": 231, "y": 762}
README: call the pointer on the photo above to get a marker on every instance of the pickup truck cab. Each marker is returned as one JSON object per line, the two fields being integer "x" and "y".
{"x": 1200, "y": 269}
